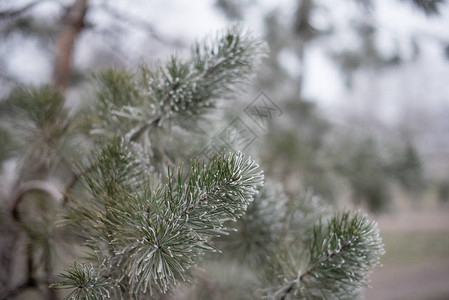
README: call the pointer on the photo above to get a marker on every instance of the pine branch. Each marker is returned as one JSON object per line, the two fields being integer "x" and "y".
{"x": 38, "y": 117}
{"x": 214, "y": 71}
{"x": 145, "y": 128}
{"x": 176, "y": 90}
{"x": 40, "y": 114}
{"x": 154, "y": 234}
{"x": 340, "y": 255}
{"x": 90, "y": 283}
{"x": 218, "y": 192}
{"x": 38, "y": 107}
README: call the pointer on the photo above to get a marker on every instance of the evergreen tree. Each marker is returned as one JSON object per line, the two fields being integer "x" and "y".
{"x": 143, "y": 225}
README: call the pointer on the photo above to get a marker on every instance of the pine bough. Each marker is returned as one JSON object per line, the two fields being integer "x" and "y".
{"x": 148, "y": 236}
{"x": 337, "y": 259}
{"x": 146, "y": 233}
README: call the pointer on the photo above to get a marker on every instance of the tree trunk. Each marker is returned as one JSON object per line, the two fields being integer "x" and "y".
{"x": 72, "y": 24}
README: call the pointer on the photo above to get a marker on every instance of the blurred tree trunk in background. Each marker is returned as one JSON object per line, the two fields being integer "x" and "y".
{"x": 73, "y": 24}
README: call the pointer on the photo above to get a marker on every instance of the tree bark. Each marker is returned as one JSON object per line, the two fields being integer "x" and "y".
{"x": 72, "y": 25}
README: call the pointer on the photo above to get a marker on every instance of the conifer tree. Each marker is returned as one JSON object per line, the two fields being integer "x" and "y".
{"x": 149, "y": 226}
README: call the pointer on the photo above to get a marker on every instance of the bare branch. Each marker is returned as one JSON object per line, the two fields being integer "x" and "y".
{"x": 12, "y": 13}
{"x": 142, "y": 24}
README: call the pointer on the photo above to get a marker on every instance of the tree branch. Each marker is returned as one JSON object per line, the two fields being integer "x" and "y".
{"x": 285, "y": 291}
{"x": 329, "y": 256}
{"x": 133, "y": 21}
{"x": 30, "y": 186}
{"x": 135, "y": 136}
{"x": 11, "y": 13}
